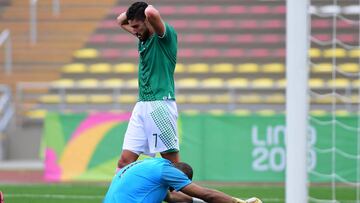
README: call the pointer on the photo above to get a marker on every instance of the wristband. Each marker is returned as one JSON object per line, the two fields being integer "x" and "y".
{"x": 197, "y": 200}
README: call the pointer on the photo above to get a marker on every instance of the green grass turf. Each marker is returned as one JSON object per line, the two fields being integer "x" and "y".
{"x": 79, "y": 193}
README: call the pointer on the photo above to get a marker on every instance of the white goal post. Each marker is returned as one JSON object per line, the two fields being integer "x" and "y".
{"x": 297, "y": 45}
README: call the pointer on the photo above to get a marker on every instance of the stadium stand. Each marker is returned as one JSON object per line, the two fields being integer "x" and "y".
{"x": 231, "y": 58}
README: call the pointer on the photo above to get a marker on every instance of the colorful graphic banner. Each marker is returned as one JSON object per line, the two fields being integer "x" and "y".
{"x": 220, "y": 148}
{"x": 82, "y": 146}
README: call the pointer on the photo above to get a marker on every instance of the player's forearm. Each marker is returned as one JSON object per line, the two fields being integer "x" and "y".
{"x": 177, "y": 197}
{"x": 123, "y": 22}
{"x": 214, "y": 196}
{"x": 122, "y": 19}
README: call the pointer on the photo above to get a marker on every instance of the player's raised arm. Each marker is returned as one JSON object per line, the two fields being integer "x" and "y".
{"x": 154, "y": 18}
{"x": 123, "y": 23}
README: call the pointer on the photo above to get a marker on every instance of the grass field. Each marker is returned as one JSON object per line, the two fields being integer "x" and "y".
{"x": 91, "y": 193}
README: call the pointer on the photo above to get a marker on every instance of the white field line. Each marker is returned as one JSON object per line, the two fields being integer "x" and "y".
{"x": 63, "y": 196}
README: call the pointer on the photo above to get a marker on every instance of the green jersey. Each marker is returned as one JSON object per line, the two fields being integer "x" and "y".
{"x": 157, "y": 60}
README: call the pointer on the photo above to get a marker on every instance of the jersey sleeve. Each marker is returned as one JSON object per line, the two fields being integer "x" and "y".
{"x": 169, "y": 34}
{"x": 174, "y": 178}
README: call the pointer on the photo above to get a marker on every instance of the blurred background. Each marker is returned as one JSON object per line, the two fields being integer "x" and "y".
{"x": 67, "y": 70}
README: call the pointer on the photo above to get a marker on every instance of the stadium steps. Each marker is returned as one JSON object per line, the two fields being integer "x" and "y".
{"x": 58, "y": 36}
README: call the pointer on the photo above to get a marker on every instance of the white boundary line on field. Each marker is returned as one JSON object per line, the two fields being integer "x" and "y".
{"x": 54, "y": 196}
{"x": 64, "y": 196}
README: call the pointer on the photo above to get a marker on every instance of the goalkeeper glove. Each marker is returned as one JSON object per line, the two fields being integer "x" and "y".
{"x": 251, "y": 200}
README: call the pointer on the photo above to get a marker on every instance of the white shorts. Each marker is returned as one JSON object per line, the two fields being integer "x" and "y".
{"x": 152, "y": 128}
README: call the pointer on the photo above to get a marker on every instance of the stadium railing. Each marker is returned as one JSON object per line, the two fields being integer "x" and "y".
{"x": 6, "y": 41}
{"x": 6, "y": 114}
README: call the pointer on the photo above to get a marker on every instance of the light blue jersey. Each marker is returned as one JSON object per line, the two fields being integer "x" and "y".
{"x": 145, "y": 181}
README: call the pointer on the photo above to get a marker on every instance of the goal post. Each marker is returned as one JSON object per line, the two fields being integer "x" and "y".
{"x": 297, "y": 45}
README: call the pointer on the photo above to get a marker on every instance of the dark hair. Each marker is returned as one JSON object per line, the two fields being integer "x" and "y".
{"x": 137, "y": 11}
{"x": 186, "y": 168}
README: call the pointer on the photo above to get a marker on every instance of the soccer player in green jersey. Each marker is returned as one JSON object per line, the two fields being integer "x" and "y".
{"x": 153, "y": 124}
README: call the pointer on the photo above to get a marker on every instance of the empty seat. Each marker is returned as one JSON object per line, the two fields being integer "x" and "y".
{"x": 318, "y": 112}
{"x": 355, "y": 99}
{"x": 122, "y": 38}
{"x": 187, "y": 83}
{"x": 338, "y": 53}
{"x": 180, "y": 99}
{"x": 259, "y": 9}
{"x": 322, "y": 68}
{"x": 273, "y": 68}
{"x": 262, "y": 83}
{"x": 225, "y": 24}
{"x": 185, "y": 53}
{"x": 212, "y": 82}
{"x": 179, "y": 68}
{"x": 244, "y": 38}
{"x": 216, "y": 112}
{"x": 63, "y": 83}
{"x": 241, "y": 112}
{"x": 356, "y": 83}
{"x": 266, "y": 112}
{"x": 237, "y": 83}
{"x": 201, "y": 24}
{"x": 222, "y": 68}
{"x": 100, "y": 99}
{"x": 223, "y": 99}
{"x": 167, "y": 10}
{"x": 199, "y": 99}
{"x": 316, "y": 83}
{"x": 198, "y": 68}
{"x": 86, "y": 53}
{"x": 323, "y": 100}
{"x": 98, "y": 38}
{"x": 36, "y": 114}
{"x": 236, "y": 9}
{"x": 347, "y": 38}
{"x": 189, "y": 10}
{"x": 248, "y": 24}
{"x": 250, "y": 99}
{"x": 273, "y": 24}
{"x": 88, "y": 83}
{"x": 124, "y": 68}
{"x": 74, "y": 68}
{"x": 349, "y": 67}
{"x": 314, "y": 53}
{"x": 220, "y": 38}
{"x": 209, "y": 53}
{"x": 133, "y": 83}
{"x": 100, "y": 68}
{"x": 342, "y": 112}
{"x": 233, "y": 53}
{"x": 113, "y": 83}
{"x": 76, "y": 99}
{"x": 354, "y": 53}
{"x": 194, "y": 38}
{"x": 281, "y": 83}
{"x": 110, "y": 53}
{"x": 338, "y": 83}
{"x": 191, "y": 111}
{"x": 127, "y": 98}
{"x": 258, "y": 53}
{"x": 271, "y": 38}
{"x": 212, "y": 10}
{"x": 50, "y": 99}
{"x": 275, "y": 98}
{"x": 248, "y": 68}
{"x": 322, "y": 37}
{"x": 320, "y": 23}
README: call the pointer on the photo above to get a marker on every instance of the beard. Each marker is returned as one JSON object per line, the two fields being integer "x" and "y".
{"x": 143, "y": 37}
